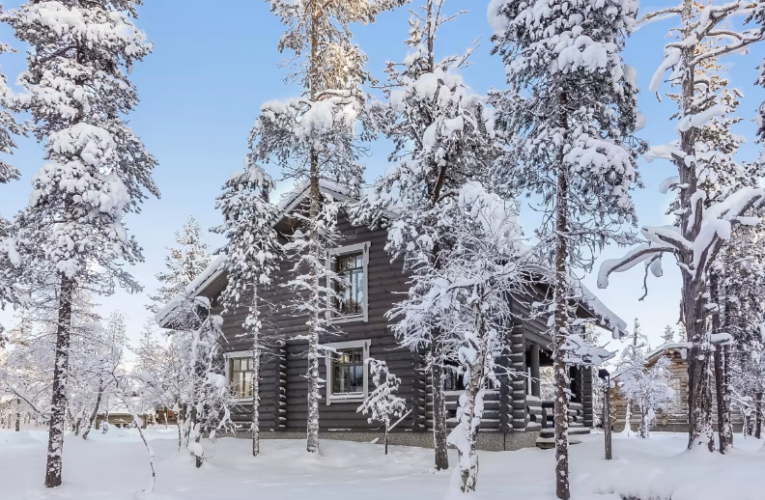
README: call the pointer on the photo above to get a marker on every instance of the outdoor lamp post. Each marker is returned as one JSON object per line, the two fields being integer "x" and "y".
{"x": 606, "y": 377}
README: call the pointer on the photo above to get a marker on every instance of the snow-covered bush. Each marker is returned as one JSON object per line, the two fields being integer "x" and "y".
{"x": 382, "y": 405}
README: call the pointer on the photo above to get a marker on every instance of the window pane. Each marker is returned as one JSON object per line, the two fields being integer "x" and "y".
{"x": 348, "y": 372}
{"x": 350, "y": 288}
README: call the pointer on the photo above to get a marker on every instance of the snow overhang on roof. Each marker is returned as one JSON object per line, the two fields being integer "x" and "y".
{"x": 605, "y": 316}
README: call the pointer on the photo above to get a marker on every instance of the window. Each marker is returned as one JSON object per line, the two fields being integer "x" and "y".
{"x": 453, "y": 380}
{"x": 350, "y": 290}
{"x": 351, "y": 300}
{"x": 348, "y": 372}
{"x": 347, "y": 377}
{"x": 241, "y": 377}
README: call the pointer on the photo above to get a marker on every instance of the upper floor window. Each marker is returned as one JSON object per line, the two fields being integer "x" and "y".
{"x": 351, "y": 288}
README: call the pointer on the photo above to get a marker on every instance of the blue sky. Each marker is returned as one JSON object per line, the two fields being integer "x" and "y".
{"x": 213, "y": 66}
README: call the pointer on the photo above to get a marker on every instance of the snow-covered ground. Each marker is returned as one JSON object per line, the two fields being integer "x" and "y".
{"x": 114, "y": 467}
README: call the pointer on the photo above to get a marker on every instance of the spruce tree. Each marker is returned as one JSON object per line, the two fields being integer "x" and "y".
{"x": 9, "y": 258}
{"x": 77, "y": 92}
{"x": 570, "y": 111}
{"x": 183, "y": 264}
{"x": 252, "y": 255}
{"x": 668, "y": 335}
{"x": 312, "y": 138}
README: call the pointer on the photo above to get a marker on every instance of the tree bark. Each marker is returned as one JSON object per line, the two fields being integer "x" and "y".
{"x": 645, "y": 426}
{"x": 439, "y": 411}
{"x": 722, "y": 388}
{"x": 312, "y": 430}
{"x": 387, "y": 428}
{"x": 180, "y": 422}
{"x": 53, "y": 468}
{"x": 93, "y": 415}
{"x": 561, "y": 324}
{"x": 312, "y": 424}
{"x": 18, "y": 415}
{"x": 255, "y": 398}
{"x": 758, "y": 415}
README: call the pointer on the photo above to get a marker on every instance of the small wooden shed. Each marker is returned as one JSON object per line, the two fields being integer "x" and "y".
{"x": 673, "y": 418}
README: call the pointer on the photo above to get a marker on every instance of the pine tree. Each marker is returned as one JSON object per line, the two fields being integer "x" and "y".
{"x": 703, "y": 226}
{"x": 669, "y": 335}
{"x": 9, "y": 258}
{"x": 382, "y": 404}
{"x": 572, "y": 148}
{"x": 312, "y": 138}
{"x": 77, "y": 93}
{"x": 183, "y": 264}
{"x": 442, "y": 136}
{"x": 252, "y": 254}
{"x": 8, "y": 126}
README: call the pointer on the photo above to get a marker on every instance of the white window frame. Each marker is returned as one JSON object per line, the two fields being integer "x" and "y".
{"x": 228, "y": 356}
{"x": 336, "y": 252}
{"x": 339, "y": 346}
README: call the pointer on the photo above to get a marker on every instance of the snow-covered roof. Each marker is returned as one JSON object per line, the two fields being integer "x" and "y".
{"x": 216, "y": 268}
{"x": 212, "y": 271}
{"x": 598, "y": 309}
{"x": 292, "y": 199}
{"x": 664, "y": 348}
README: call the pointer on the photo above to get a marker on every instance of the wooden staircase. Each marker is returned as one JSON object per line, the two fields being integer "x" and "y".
{"x": 576, "y": 426}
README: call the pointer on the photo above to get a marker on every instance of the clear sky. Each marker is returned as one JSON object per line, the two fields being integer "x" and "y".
{"x": 215, "y": 63}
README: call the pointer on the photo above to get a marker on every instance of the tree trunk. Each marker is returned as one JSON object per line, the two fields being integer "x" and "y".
{"x": 472, "y": 411}
{"x": 758, "y": 415}
{"x": 700, "y": 432}
{"x": 255, "y": 398}
{"x": 312, "y": 424}
{"x": 93, "y": 415}
{"x": 53, "y": 468}
{"x": 561, "y": 325}
{"x": 387, "y": 428}
{"x": 724, "y": 426}
{"x": 700, "y": 399}
{"x": 180, "y": 422}
{"x": 439, "y": 414}
{"x": 18, "y": 415}
{"x": 312, "y": 431}
{"x": 628, "y": 417}
{"x": 645, "y": 424}
{"x": 722, "y": 388}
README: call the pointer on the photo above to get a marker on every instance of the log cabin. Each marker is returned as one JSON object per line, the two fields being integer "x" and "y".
{"x": 674, "y": 416}
{"x": 515, "y": 415}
